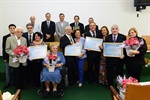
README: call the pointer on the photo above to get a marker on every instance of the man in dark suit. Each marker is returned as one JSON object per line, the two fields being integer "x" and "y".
{"x": 87, "y": 27}
{"x": 29, "y": 34}
{"x": 70, "y": 60}
{"x": 114, "y": 64}
{"x": 93, "y": 57}
{"x": 29, "y": 38}
{"x": 48, "y": 29}
{"x": 77, "y": 25}
{"x": 6, "y": 56}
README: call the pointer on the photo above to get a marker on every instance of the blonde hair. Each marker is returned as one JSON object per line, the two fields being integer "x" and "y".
{"x": 133, "y": 29}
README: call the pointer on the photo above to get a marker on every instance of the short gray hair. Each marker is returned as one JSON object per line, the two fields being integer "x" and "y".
{"x": 18, "y": 28}
{"x": 68, "y": 27}
{"x": 115, "y": 26}
{"x": 54, "y": 45}
{"x": 29, "y": 24}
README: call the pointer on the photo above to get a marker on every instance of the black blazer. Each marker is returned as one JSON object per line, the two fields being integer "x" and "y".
{"x": 137, "y": 60}
{"x": 87, "y": 28}
{"x": 81, "y": 28}
{"x": 48, "y": 30}
{"x": 5, "y": 55}
{"x": 119, "y": 39}
{"x": 64, "y": 41}
{"x": 92, "y": 54}
{"x": 25, "y": 35}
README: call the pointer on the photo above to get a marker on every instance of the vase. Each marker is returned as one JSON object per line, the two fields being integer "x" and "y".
{"x": 22, "y": 59}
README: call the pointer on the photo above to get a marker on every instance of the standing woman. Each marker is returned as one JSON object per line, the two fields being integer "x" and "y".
{"x": 134, "y": 64}
{"x": 81, "y": 58}
{"x": 103, "y": 71}
{"x": 37, "y": 64}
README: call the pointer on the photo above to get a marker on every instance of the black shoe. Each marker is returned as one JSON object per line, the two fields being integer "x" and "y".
{"x": 6, "y": 86}
{"x": 60, "y": 93}
{"x": 55, "y": 93}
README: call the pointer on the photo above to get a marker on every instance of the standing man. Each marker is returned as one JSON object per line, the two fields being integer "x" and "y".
{"x": 77, "y": 25}
{"x": 36, "y": 26}
{"x": 6, "y": 56}
{"x": 29, "y": 34}
{"x": 18, "y": 68}
{"x": 93, "y": 57}
{"x": 67, "y": 39}
{"x": 60, "y": 26}
{"x": 114, "y": 64}
{"x": 48, "y": 29}
{"x": 87, "y": 27}
{"x": 29, "y": 38}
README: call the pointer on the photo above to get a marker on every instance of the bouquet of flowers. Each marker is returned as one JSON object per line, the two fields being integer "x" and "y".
{"x": 122, "y": 82}
{"x": 51, "y": 61}
{"x": 132, "y": 44}
{"x": 21, "y": 53}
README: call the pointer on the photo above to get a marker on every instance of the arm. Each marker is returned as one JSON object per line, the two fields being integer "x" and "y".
{"x": 53, "y": 29}
{"x": 8, "y": 49}
{"x": 64, "y": 43}
{"x": 3, "y": 47}
{"x": 62, "y": 60}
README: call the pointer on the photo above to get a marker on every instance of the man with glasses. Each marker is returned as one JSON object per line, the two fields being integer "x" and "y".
{"x": 6, "y": 56}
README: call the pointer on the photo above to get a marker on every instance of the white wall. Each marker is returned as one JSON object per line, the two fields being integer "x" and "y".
{"x": 105, "y": 12}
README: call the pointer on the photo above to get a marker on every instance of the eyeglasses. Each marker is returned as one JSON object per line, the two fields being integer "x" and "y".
{"x": 29, "y": 28}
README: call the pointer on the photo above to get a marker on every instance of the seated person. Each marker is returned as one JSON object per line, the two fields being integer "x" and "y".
{"x": 53, "y": 77}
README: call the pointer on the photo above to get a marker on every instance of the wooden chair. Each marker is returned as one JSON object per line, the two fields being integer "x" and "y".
{"x": 49, "y": 44}
{"x": 114, "y": 94}
{"x": 147, "y": 39}
{"x": 17, "y": 95}
{"x": 1, "y": 95}
{"x": 137, "y": 92}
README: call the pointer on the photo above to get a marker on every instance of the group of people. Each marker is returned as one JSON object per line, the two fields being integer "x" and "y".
{"x": 100, "y": 69}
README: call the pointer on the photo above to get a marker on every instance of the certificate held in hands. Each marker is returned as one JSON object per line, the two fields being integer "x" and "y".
{"x": 37, "y": 52}
{"x": 112, "y": 49}
{"x": 93, "y": 43}
{"x": 73, "y": 50}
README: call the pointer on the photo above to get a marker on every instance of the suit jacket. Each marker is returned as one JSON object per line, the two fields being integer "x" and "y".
{"x": 137, "y": 60}
{"x": 48, "y": 30}
{"x": 64, "y": 41}
{"x": 5, "y": 55}
{"x": 25, "y": 35}
{"x": 92, "y": 54}
{"x": 87, "y": 28}
{"x": 81, "y": 28}
{"x": 11, "y": 43}
{"x": 119, "y": 39}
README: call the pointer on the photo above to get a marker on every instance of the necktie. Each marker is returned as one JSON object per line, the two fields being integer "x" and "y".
{"x": 71, "y": 39}
{"x": 114, "y": 39}
{"x": 30, "y": 38}
{"x": 93, "y": 34}
{"x": 48, "y": 24}
{"x": 76, "y": 24}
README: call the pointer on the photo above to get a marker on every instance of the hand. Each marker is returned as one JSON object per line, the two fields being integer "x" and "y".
{"x": 71, "y": 43}
{"x": 81, "y": 55}
{"x": 17, "y": 56}
{"x": 58, "y": 65}
{"x": 121, "y": 57}
{"x": 101, "y": 47}
{"x": 134, "y": 52}
{"x": 48, "y": 36}
{"x": 5, "y": 61}
{"x": 88, "y": 50}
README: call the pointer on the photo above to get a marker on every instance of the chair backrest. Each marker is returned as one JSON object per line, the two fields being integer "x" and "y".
{"x": 49, "y": 44}
{"x": 114, "y": 94}
{"x": 137, "y": 92}
{"x": 17, "y": 95}
{"x": 147, "y": 39}
{"x": 1, "y": 95}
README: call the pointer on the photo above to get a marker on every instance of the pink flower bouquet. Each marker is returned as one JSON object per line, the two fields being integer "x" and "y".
{"x": 132, "y": 44}
{"x": 21, "y": 53}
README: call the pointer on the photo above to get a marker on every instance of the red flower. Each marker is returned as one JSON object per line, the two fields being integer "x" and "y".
{"x": 21, "y": 49}
{"x": 52, "y": 57}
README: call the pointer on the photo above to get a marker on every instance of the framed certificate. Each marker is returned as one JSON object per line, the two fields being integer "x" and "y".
{"x": 73, "y": 50}
{"x": 93, "y": 43}
{"x": 76, "y": 27}
{"x": 112, "y": 49}
{"x": 37, "y": 52}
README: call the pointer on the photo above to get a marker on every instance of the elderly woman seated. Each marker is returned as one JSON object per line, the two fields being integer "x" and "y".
{"x": 53, "y": 77}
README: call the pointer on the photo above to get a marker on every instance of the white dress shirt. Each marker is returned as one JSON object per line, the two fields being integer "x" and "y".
{"x": 18, "y": 40}
{"x": 37, "y": 28}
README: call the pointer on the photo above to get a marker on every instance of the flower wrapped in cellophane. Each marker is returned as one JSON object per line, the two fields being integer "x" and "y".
{"x": 132, "y": 43}
{"x": 21, "y": 54}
